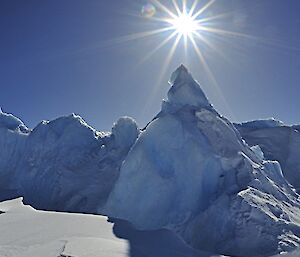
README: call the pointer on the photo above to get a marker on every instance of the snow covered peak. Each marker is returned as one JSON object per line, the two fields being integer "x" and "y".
{"x": 185, "y": 90}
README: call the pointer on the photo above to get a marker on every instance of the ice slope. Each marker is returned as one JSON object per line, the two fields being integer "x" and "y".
{"x": 26, "y": 232}
{"x": 63, "y": 164}
{"x": 279, "y": 142}
{"x": 190, "y": 171}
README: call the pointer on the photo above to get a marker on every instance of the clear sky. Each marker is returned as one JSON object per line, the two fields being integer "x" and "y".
{"x": 63, "y": 56}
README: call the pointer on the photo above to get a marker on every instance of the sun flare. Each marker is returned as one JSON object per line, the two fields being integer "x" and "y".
{"x": 184, "y": 24}
{"x": 184, "y": 21}
{"x": 195, "y": 28}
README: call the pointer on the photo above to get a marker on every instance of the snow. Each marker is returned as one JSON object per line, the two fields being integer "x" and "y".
{"x": 27, "y": 233}
{"x": 36, "y": 233}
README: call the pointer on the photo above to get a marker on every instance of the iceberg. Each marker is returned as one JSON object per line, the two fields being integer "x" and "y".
{"x": 64, "y": 164}
{"x": 191, "y": 171}
{"x": 189, "y": 175}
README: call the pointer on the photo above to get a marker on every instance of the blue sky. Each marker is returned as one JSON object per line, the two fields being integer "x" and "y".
{"x": 63, "y": 56}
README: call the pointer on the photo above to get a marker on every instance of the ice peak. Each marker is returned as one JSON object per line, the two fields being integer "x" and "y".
{"x": 185, "y": 90}
{"x": 180, "y": 74}
{"x": 11, "y": 122}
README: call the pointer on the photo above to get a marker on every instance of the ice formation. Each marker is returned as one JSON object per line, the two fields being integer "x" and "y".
{"x": 280, "y": 143}
{"x": 219, "y": 186}
{"x": 63, "y": 164}
{"x": 191, "y": 171}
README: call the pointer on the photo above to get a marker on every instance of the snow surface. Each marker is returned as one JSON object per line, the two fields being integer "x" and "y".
{"x": 26, "y": 232}
{"x": 191, "y": 177}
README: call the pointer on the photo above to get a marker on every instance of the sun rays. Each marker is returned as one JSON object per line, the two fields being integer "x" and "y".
{"x": 180, "y": 22}
{"x": 193, "y": 25}
{"x": 187, "y": 23}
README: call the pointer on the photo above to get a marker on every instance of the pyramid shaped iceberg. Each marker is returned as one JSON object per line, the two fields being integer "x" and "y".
{"x": 190, "y": 171}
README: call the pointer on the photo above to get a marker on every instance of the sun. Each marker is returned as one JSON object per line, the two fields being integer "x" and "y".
{"x": 183, "y": 21}
{"x": 184, "y": 24}
{"x": 191, "y": 24}
{"x": 190, "y": 21}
